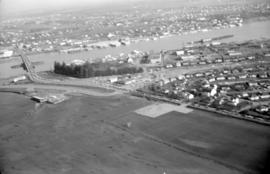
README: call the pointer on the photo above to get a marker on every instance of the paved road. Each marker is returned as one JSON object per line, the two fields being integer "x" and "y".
{"x": 65, "y": 89}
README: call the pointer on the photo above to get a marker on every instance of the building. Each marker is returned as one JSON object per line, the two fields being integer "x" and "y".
{"x": 220, "y": 78}
{"x": 262, "y": 109}
{"x": 17, "y": 79}
{"x": 78, "y": 62}
{"x": 178, "y": 64}
{"x": 254, "y": 97}
{"x": 231, "y": 78}
{"x": 189, "y": 57}
{"x": 265, "y": 96}
{"x": 244, "y": 76}
{"x": 234, "y": 53}
{"x": 55, "y": 99}
{"x": 5, "y": 54}
{"x": 40, "y": 99}
{"x": 113, "y": 79}
{"x": 180, "y": 52}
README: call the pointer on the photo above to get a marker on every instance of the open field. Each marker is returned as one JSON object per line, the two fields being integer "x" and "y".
{"x": 158, "y": 109}
{"x": 238, "y": 144}
{"x": 89, "y": 135}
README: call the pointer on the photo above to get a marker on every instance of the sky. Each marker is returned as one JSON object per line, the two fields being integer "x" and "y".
{"x": 10, "y": 7}
{"x": 19, "y": 6}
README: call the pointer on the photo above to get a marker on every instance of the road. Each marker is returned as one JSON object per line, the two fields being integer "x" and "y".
{"x": 68, "y": 86}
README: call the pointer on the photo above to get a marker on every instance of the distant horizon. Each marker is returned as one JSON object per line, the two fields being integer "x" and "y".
{"x": 24, "y": 7}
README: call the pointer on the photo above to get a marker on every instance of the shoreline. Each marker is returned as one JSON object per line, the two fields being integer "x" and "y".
{"x": 243, "y": 33}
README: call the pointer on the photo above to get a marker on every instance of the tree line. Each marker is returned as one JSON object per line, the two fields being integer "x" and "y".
{"x": 93, "y": 70}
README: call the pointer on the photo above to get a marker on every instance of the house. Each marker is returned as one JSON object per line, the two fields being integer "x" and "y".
{"x": 267, "y": 55}
{"x": 234, "y": 53}
{"x": 226, "y": 71}
{"x": 241, "y": 59}
{"x": 252, "y": 75}
{"x": 254, "y": 97}
{"x": 262, "y": 109}
{"x": 189, "y": 96}
{"x": 218, "y": 61}
{"x": 227, "y": 60}
{"x": 169, "y": 66}
{"x": 248, "y": 69}
{"x": 40, "y": 99}
{"x": 78, "y": 62}
{"x": 189, "y": 57}
{"x": 180, "y": 52}
{"x": 115, "y": 44}
{"x": 212, "y": 80}
{"x": 5, "y": 53}
{"x": 155, "y": 59}
{"x": 213, "y": 91}
{"x": 178, "y": 64}
{"x": 166, "y": 91}
{"x": 244, "y": 76}
{"x": 172, "y": 79}
{"x": 113, "y": 79}
{"x": 130, "y": 60}
{"x": 262, "y": 76}
{"x": 126, "y": 82}
{"x": 265, "y": 96}
{"x": 202, "y": 63}
{"x": 214, "y": 43}
{"x": 180, "y": 77}
{"x": 185, "y": 63}
{"x": 236, "y": 101}
{"x": 188, "y": 76}
{"x": 231, "y": 78}
{"x": 207, "y": 73}
{"x": 17, "y": 79}
{"x": 55, "y": 99}
{"x": 245, "y": 94}
{"x": 166, "y": 81}
{"x": 220, "y": 78}
{"x": 253, "y": 84}
{"x": 199, "y": 75}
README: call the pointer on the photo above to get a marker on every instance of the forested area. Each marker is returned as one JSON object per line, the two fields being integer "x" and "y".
{"x": 94, "y": 69}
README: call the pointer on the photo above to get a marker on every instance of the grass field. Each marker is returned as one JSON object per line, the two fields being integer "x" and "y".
{"x": 238, "y": 144}
{"x": 89, "y": 135}
{"x": 159, "y": 109}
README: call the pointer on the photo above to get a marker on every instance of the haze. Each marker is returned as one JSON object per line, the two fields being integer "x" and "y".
{"x": 19, "y": 6}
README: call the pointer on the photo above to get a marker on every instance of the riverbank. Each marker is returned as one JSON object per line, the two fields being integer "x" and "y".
{"x": 249, "y": 31}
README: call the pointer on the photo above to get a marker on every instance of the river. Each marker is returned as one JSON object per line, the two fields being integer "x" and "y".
{"x": 249, "y": 31}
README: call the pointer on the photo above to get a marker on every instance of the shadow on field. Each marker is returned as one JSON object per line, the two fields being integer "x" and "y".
{"x": 263, "y": 165}
{"x": 1, "y": 162}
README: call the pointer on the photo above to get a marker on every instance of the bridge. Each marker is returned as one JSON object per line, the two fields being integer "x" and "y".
{"x": 29, "y": 67}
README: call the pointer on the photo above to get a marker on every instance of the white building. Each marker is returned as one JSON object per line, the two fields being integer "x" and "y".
{"x": 17, "y": 79}
{"x": 78, "y": 62}
{"x": 180, "y": 52}
{"x": 214, "y": 91}
{"x": 5, "y": 53}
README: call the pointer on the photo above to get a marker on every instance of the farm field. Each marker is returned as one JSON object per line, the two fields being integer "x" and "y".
{"x": 90, "y": 135}
{"x": 234, "y": 143}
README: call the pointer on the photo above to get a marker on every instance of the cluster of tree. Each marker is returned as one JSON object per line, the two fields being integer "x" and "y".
{"x": 92, "y": 70}
{"x": 145, "y": 59}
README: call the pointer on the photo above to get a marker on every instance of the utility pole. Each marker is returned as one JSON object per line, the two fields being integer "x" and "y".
{"x": 162, "y": 57}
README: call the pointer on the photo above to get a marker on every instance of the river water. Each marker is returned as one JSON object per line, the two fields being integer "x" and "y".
{"x": 249, "y": 31}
